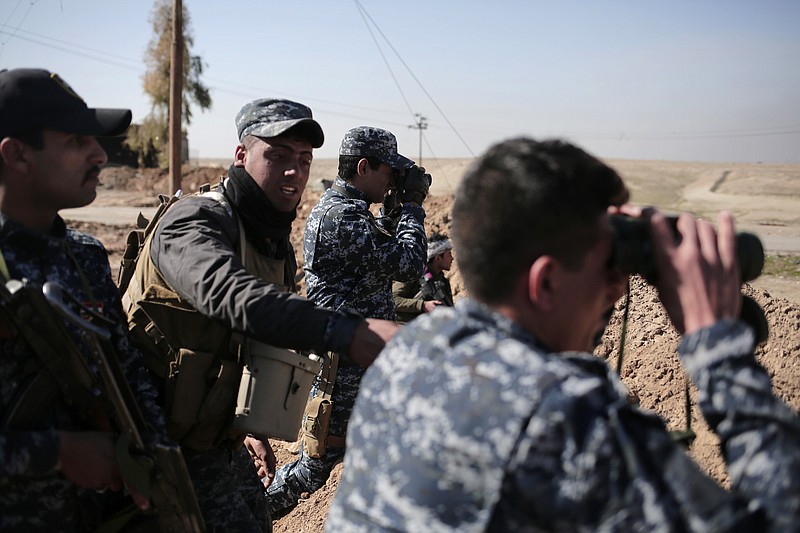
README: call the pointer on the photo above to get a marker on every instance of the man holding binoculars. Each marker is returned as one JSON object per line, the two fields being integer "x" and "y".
{"x": 495, "y": 416}
{"x": 350, "y": 261}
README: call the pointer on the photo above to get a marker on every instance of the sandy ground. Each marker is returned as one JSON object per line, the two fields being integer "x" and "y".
{"x": 764, "y": 198}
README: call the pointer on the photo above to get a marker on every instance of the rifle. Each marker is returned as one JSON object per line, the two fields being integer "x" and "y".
{"x": 431, "y": 290}
{"x": 98, "y": 392}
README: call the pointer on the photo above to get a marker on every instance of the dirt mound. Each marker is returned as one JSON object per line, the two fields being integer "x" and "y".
{"x": 650, "y": 368}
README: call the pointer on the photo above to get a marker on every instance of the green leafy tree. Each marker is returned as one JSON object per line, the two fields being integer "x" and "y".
{"x": 150, "y": 139}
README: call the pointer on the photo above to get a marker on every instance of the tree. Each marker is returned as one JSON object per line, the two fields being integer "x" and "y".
{"x": 151, "y": 138}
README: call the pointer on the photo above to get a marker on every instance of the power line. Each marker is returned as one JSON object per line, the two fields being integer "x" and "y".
{"x": 16, "y": 29}
{"x": 102, "y": 56}
{"x": 83, "y": 51}
{"x": 419, "y": 83}
{"x": 364, "y": 16}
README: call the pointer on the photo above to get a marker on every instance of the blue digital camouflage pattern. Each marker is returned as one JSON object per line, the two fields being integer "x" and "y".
{"x": 33, "y": 495}
{"x": 366, "y": 141}
{"x": 349, "y": 263}
{"x": 219, "y": 473}
{"x": 306, "y": 474}
{"x": 270, "y": 117}
{"x": 465, "y": 423}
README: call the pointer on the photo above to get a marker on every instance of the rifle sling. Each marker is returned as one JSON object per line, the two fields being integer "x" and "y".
{"x": 330, "y": 366}
{"x": 30, "y": 404}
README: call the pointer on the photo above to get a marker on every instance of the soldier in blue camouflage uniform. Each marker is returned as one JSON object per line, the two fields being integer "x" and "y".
{"x": 494, "y": 416}
{"x": 350, "y": 262}
{"x": 223, "y": 264}
{"x": 50, "y": 160}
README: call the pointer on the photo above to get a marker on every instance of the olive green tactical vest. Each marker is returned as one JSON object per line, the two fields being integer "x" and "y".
{"x": 165, "y": 327}
{"x": 180, "y": 324}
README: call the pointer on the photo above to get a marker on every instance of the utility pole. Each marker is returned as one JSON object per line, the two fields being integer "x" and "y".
{"x": 175, "y": 98}
{"x": 421, "y": 123}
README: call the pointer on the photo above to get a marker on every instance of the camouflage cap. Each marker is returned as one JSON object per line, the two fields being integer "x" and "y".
{"x": 34, "y": 99}
{"x": 270, "y": 117}
{"x": 369, "y": 141}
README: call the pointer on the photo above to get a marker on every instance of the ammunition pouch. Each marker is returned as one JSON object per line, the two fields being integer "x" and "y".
{"x": 317, "y": 416}
{"x": 316, "y": 420}
{"x": 201, "y": 392}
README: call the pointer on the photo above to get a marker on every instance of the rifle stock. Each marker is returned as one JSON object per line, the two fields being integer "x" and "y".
{"x": 98, "y": 391}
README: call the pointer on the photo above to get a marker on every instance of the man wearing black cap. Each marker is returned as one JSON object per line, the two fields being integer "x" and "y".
{"x": 350, "y": 262}
{"x": 219, "y": 266}
{"x": 50, "y": 160}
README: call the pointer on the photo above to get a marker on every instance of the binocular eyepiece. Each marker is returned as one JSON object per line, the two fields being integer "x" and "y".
{"x": 633, "y": 250}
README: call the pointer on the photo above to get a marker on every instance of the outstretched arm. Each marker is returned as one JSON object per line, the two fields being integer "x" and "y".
{"x": 699, "y": 285}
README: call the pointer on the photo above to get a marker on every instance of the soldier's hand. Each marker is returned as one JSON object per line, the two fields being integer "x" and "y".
{"x": 369, "y": 339}
{"x": 430, "y": 305}
{"x": 417, "y": 184}
{"x": 87, "y": 459}
{"x": 698, "y": 278}
{"x": 263, "y": 458}
{"x": 391, "y": 201}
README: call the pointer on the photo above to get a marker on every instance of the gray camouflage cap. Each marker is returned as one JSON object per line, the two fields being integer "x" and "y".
{"x": 270, "y": 117}
{"x": 368, "y": 141}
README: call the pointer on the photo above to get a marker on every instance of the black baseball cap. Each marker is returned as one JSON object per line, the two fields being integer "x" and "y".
{"x": 33, "y": 99}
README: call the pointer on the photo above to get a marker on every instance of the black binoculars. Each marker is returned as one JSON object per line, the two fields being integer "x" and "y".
{"x": 633, "y": 251}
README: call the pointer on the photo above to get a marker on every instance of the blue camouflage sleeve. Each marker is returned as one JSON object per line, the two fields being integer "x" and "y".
{"x": 130, "y": 359}
{"x": 760, "y": 434}
{"x": 362, "y": 243}
{"x": 590, "y": 459}
{"x": 28, "y": 453}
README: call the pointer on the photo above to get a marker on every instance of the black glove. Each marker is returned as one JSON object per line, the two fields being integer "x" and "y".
{"x": 390, "y": 211}
{"x": 391, "y": 201}
{"x": 416, "y": 185}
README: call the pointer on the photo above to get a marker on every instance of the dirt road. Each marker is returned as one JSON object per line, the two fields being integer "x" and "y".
{"x": 764, "y": 198}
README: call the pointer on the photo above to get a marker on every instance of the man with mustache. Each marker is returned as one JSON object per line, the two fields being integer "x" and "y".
{"x": 219, "y": 266}
{"x": 50, "y": 160}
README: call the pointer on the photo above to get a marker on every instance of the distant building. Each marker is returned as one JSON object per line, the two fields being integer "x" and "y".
{"x": 118, "y": 152}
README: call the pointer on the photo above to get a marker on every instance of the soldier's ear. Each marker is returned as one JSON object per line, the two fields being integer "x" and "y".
{"x": 13, "y": 153}
{"x": 361, "y": 168}
{"x": 542, "y": 282}
{"x": 240, "y": 155}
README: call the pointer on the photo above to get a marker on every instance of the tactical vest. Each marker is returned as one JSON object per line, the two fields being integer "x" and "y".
{"x": 195, "y": 358}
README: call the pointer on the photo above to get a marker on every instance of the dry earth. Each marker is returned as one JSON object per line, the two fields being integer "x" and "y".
{"x": 764, "y": 198}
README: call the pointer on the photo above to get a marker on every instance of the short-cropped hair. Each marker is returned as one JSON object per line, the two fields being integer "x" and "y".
{"x": 523, "y": 199}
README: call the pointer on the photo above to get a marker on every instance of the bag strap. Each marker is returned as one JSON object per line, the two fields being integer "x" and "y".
{"x": 136, "y": 239}
{"x": 330, "y": 366}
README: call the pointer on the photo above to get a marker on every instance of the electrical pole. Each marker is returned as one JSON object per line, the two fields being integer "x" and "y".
{"x": 421, "y": 123}
{"x": 175, "y": 98}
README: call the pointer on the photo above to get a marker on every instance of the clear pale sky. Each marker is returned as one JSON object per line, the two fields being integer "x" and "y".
{"x": 693, "y": 80}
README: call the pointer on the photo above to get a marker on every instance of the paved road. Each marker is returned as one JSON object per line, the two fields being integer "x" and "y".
{"x": 112, "y": 215}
